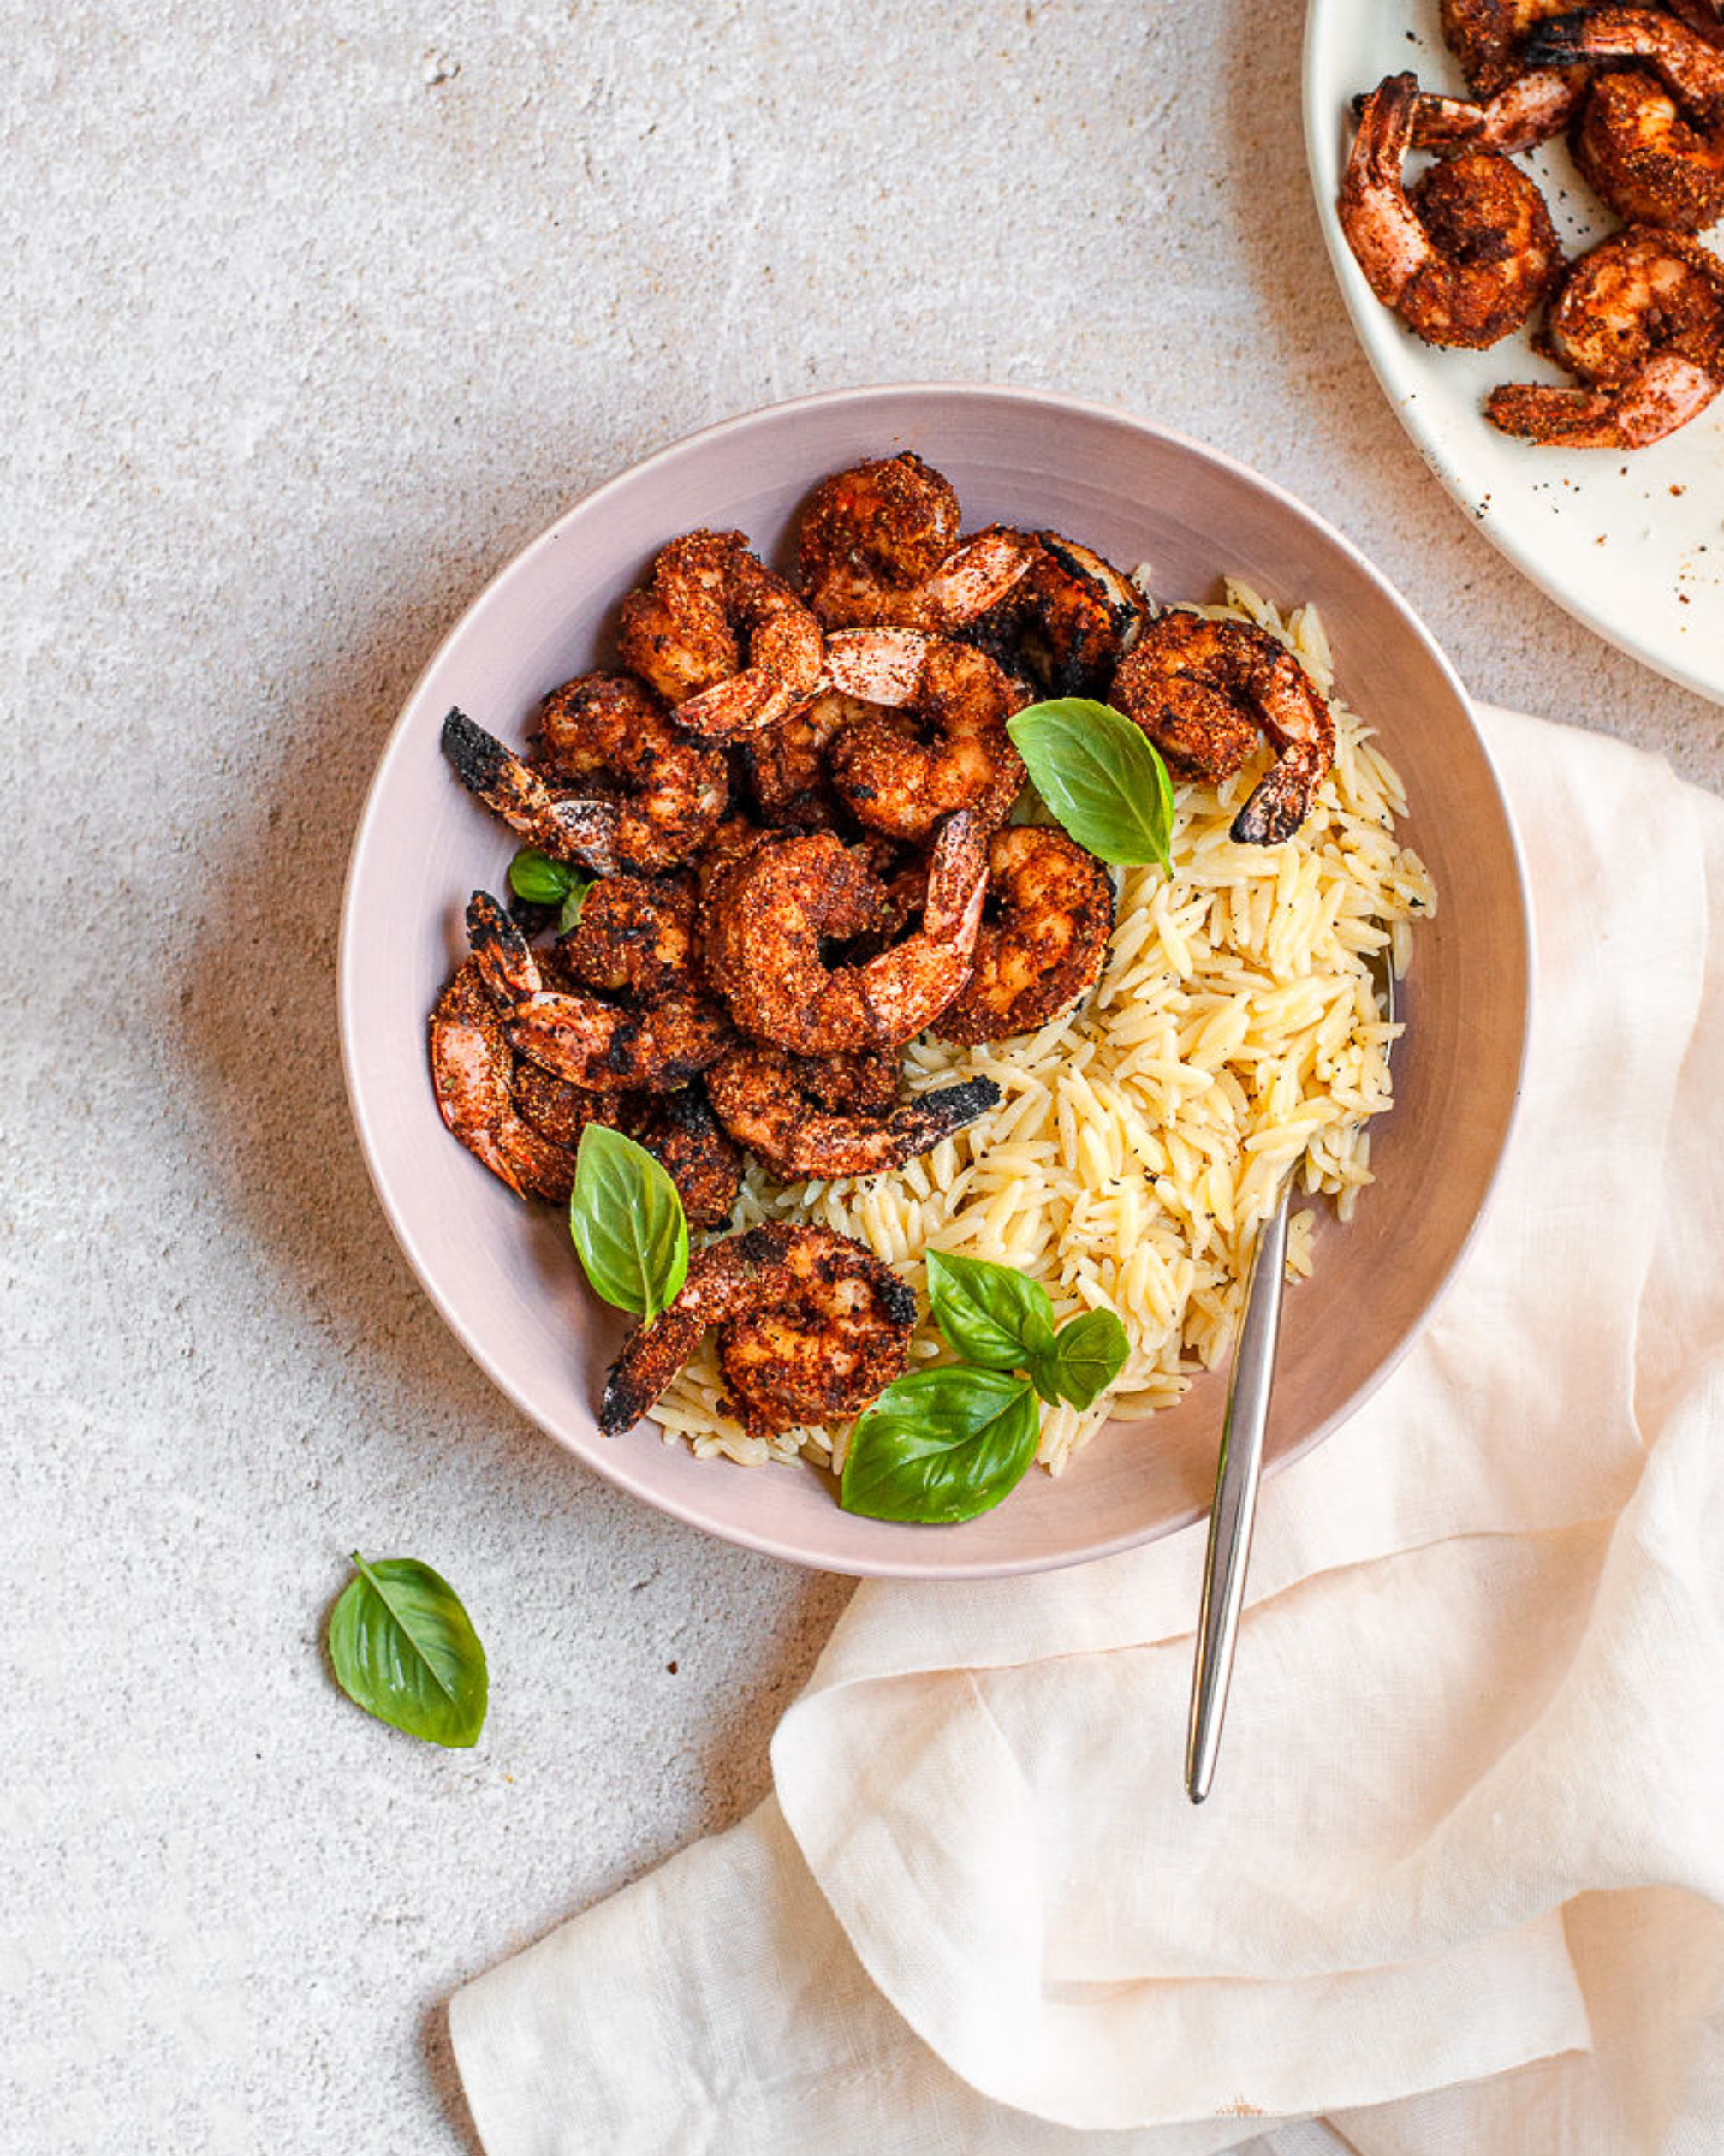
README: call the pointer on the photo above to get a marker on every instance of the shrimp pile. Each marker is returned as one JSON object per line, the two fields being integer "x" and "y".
{"x": 798, "y": 799}
{"x": 1467, "y": 254}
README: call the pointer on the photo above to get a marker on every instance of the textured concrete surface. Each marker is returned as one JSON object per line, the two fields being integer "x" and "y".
{"x": 310, "y": 320}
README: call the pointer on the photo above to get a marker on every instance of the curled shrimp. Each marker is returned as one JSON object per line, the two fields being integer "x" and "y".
{"x": 1640, "y": 320}
{"x": 473, "y": 1070}
{"x": 1044, "y": 932}
{"x": 1066, "y": 621}
{"x": 729, "y": 646}
{"x": 802, "y": 1116}
{"x": 681, "y": 1131}
{"x": 602, "y": 1047}
{"x": 635, "y": 934}
{"x": 877, "y": 547}
{"x": 1468, "y": 255}
{"x": 605, "y": 733}
{"x": 941, "y": 745}
{"x": 772, "y": 910}
{"x": 811, "y": 1328}
{"x": 786, "y": 764}
{"x": 1652, "y": 143}
{"x": 1202, "y": 690}
{"x": 884, "y": 526}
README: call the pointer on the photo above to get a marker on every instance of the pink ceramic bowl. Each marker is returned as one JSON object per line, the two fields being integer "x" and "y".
{"x": 504, "y": 1275}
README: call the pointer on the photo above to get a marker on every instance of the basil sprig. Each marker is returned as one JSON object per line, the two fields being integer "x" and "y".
{"x": 1004, "y": 1321}
{"x": 990, "y": 1314}
{"x": 942, "y": 1445}
{"x": 1101, "y": 777}
{"x": 1088, "y": 1355}
{"x": 543, "y": 882}
{"x": 404, "y": 1649}
{"x": 628, "y": 1222}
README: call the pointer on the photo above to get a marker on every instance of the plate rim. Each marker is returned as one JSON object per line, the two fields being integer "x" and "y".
{"x": 1378, "y": 333}
{"x": 611, "y": 1465}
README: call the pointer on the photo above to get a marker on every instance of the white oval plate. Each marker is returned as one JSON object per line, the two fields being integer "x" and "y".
{"x": 1633, "y": 545}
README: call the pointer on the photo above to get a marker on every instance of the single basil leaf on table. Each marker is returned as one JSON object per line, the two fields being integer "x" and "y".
{"x": 989, "y": 1314}
{"x": 1101, "y": 777}
{"x": 628, "y": 1223}
{"x": 941, "y": 1445}
{"x": 404, "y": 1649}
{"x": 538, "y": 879}
{"x": 1088, "y": 1354}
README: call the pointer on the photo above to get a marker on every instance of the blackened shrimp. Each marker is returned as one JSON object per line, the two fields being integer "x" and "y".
{"x": 1651, "y": 141}
{"x": 1467, "y": 255}
{"x": 1066, "y": 621}
{"x": 787, "y": 765}
{"x": 802, "y": 1116}
{"x": 1705, "y": 17}
{"x": 635, "y": 933}
{"x": 601, "y": 1046}
{"x": 811, "y": 1328}
{"x": 1202, "y": 691}
{"x": 681, "y": 1130}
{"x": 1640, "y": 320}
{"x": 942, "y": 746}
{"x": 773, "y": 912}
{"x": 878, "y": 547}
{"x": 1490, "y": 37}
{"x": 558, "y": 1110}
{"x": 729, "y": 646}
{"x": 884, "y": 526}
{"x": 1532, "y": 109}
{"x": 473, "y": 1070}
{"x": 567, "y": 829}
{"x": 1044, "y": 932}
{"x": 606, "y": 734}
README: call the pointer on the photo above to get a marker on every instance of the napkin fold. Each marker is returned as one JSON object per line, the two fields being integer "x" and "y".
{"x": 1461, "y": 1885}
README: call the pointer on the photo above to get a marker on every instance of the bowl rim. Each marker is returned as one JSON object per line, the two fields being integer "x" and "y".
{"x": 611, "y": 1464}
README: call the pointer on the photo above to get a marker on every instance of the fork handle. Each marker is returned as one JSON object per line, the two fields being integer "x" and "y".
{"x": 1233, "y": 1511}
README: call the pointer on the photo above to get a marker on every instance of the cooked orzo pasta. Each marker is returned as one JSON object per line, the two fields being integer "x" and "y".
{"x": 1141, "y": 1137}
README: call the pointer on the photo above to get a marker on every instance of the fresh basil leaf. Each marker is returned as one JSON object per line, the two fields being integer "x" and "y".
{"x": 628, "y": 1223}
{"x": 1088, "y": 1354}
{"x": 574, "y": 900}
{"x": 538, "y": 878}
{"x": 1101, "y": 777}
{"x": 989, "y": 1314}
{"x": 941, "y": 1445}
{"x": 404, "y": 1649}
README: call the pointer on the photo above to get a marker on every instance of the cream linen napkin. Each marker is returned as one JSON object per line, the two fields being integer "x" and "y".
{"x": 1460, "y": 1885}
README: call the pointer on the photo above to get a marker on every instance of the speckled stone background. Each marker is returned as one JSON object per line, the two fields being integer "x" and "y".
{"x": 312, "y": 318}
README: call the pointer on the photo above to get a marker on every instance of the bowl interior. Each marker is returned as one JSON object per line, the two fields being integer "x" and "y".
{"x": 505, "y": 1277}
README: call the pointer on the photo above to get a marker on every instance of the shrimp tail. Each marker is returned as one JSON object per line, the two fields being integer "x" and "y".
{"x": 1531, "y": 110}
{"x": 568, "y": 830}
{"x": 957, "y": 882}
{"x": 506, "y": 963}
{"x": 1282, "y": 799}
{"x": 920, "y": 1124}
{"x": 1573, "y": 39}
{"x": 651, "y": 1359}
{"x": 1666, "y": 394}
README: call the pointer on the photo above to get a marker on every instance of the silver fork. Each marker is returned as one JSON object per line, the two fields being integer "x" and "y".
{"x": 1233, "y": 1512}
